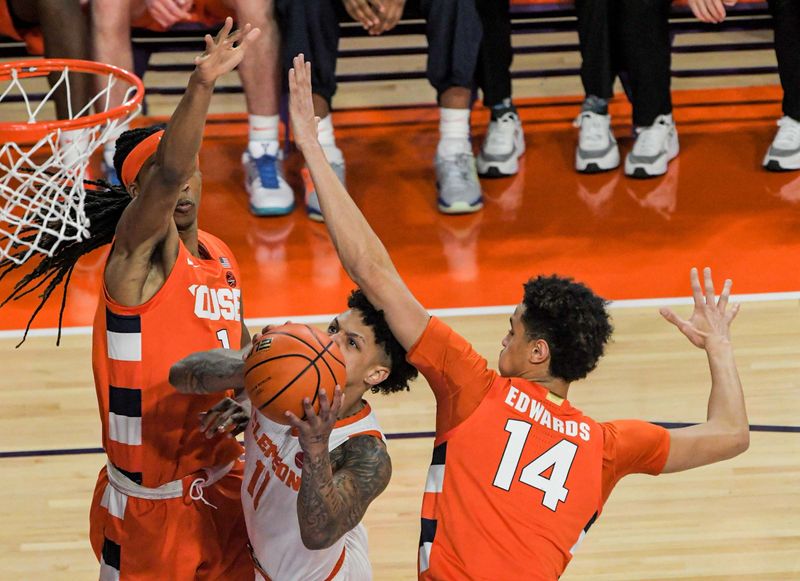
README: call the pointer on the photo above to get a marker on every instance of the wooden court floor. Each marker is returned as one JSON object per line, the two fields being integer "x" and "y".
{"x": 735, "y": 520}
{"x": 627, "y": 239}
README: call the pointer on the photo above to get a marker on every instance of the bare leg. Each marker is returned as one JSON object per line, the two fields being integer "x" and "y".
{"x": 65, "y": 32}
{"x": 111, "y": 35}
{"x": 260, "y": 68}
{"x": 456, "y": 98}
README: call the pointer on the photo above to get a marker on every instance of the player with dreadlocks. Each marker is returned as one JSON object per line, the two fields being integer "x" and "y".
{"x": 167, "y": 503}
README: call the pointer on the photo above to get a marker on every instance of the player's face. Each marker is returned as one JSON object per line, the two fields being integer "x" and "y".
{"x": 185, "y": 214}
{"x": 516, "y": 346}
{"x": 363, "y": 357}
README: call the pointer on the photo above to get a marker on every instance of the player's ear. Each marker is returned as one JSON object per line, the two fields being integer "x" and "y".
{"x": 376, "y": 375}
{"x": 133, "y": 189}
{"x": 539, "y": 352}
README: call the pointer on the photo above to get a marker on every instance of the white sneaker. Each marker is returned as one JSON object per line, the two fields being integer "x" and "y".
{"x": 597, "y": 149}
{"x": 655, "y": 147}
{"x": 784, "y": 153}
{"x": 502, "y": 147}
{"x": 270, "y": 195}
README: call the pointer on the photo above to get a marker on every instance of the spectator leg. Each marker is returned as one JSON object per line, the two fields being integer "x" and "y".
{"x": 598, "y": 69}
{"x": 111, "y": 36}
{"x": 65, "y": 31}
{"x": 493, "y": 73}
{"x": 454, "y": 31}
{"x": 260, "y": 68}
{"x": 311, "y": 27}
{"x": 643, "y": 31}
{"x": 786, "y": 21}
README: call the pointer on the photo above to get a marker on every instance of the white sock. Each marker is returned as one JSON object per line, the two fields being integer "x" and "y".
{"x": 327, "y": 140}
{"x": 110, "y": 146}
{"x": 73, "y": 144}
{"x": 263, "y": 127}
{"x": 453, "y": 132}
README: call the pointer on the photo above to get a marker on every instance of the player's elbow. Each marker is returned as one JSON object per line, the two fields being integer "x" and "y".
{"x": 315, "y": 540}
{"x": 740, "y": 441}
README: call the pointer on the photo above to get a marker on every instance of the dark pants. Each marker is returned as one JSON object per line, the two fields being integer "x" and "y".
{"x": 452, "y": 27}
{"x": 630, "y": 36}
{"x": 786, "y": 21}
{"x": 493, "y": 74}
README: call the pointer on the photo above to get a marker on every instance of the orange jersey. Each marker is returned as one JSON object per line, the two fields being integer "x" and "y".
{"x": 151, "y": 432}
{"x": 518, "y": 475}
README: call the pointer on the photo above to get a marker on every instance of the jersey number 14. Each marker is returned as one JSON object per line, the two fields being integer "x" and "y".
{"x": 559, "y": 457}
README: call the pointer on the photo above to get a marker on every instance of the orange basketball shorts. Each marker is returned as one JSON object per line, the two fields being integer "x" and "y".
{"x": 173, "y": 539}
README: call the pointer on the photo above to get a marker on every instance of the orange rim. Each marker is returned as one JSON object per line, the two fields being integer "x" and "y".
{"x": 20, "y": 131}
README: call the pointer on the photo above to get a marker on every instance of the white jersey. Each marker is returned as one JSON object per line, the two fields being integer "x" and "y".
{"x": 272, "y": 476}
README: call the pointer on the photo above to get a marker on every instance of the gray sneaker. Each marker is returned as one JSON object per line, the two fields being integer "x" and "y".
{"x": 457, "y": 181}
{"x": 312, "y": 200}
{"x": 784, "y": 153}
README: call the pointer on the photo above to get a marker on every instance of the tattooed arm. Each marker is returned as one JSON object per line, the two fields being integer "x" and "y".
{"x": 338, "y": 486}
{"x": 209, "y": 371}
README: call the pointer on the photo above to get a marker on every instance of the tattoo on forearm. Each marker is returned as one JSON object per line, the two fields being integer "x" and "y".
{"x": 210, "y": 371}
{"x": 337, "y": 488}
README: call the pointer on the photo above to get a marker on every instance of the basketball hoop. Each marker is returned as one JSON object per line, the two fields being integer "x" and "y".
{"x": 42, "y": 188}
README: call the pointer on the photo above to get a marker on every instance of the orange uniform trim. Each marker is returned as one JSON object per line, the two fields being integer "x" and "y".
{"x": 336, "y": 568}
{"x": 360, "y": 415}
{"x": 138, "y": 155}
{"x": 373, "y": 433}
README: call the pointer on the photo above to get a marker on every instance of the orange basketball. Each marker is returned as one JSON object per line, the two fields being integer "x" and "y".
{"x": 289, "y": 363}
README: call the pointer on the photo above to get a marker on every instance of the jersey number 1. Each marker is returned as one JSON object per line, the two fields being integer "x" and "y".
{"x": 559, "y": 457}
{"x": 222, "y": 335}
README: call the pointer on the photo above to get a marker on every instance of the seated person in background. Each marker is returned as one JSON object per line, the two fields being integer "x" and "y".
{"x": 112, "y": 22}
{"x": 56, "y": 29}
{"x": 784, "y": 153}
{"x": 453, "y": 30}
{"x": 505, "y": 140}
{"x": 629, "y": 35}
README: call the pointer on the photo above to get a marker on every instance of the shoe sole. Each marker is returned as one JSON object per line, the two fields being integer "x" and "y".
{"x": 265, "y": 212}
{"x": 460, "y": 208}
{"x": 606, "y": 163}
{"x": 500, "y": 169}
{"x": 786, "y": 164}
{"x": 653, "y": 170}
{"x": 315, "y": 215}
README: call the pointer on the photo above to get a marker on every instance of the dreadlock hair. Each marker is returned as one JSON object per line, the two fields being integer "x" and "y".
{"x": 572, "y": 319}
{"x": 104, "y": 204}
{"x": 401, "y": 371}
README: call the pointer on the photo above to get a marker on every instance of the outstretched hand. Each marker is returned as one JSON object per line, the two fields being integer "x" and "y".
{"x": 224, "y": 52}
{"x": 711, "y": 319}
{"x": 301, "y": 104}
{"x": 315, "y": 430}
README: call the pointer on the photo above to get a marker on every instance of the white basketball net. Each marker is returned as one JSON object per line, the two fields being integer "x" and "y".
{"x": 41, "y": 186}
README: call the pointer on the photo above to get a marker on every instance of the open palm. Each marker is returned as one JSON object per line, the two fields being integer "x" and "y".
{"x": 225, "y": 51}
{"x": 711, "y": 318}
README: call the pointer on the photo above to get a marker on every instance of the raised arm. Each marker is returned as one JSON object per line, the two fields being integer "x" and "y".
{"x": 725, "y": 433}
{"x": 360, "y": 250}
{"x": 336, "y": 487}
{"x": 149, "y": 218}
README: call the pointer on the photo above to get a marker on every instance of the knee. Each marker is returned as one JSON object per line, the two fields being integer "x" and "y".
{"x": 256, "y": 12}
{"x": 111, "y": 16}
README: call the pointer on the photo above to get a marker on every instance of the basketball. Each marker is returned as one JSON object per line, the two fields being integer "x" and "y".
{"x": 289, "y": 363}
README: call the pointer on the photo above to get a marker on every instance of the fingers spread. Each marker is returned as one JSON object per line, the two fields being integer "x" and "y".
{"x": 709, "y": 284}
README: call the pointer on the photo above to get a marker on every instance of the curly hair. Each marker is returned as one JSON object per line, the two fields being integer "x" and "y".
{"x": 104, "y": 206}
{"x": 572, "y": 319}
{"x": 401, "y": 371}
